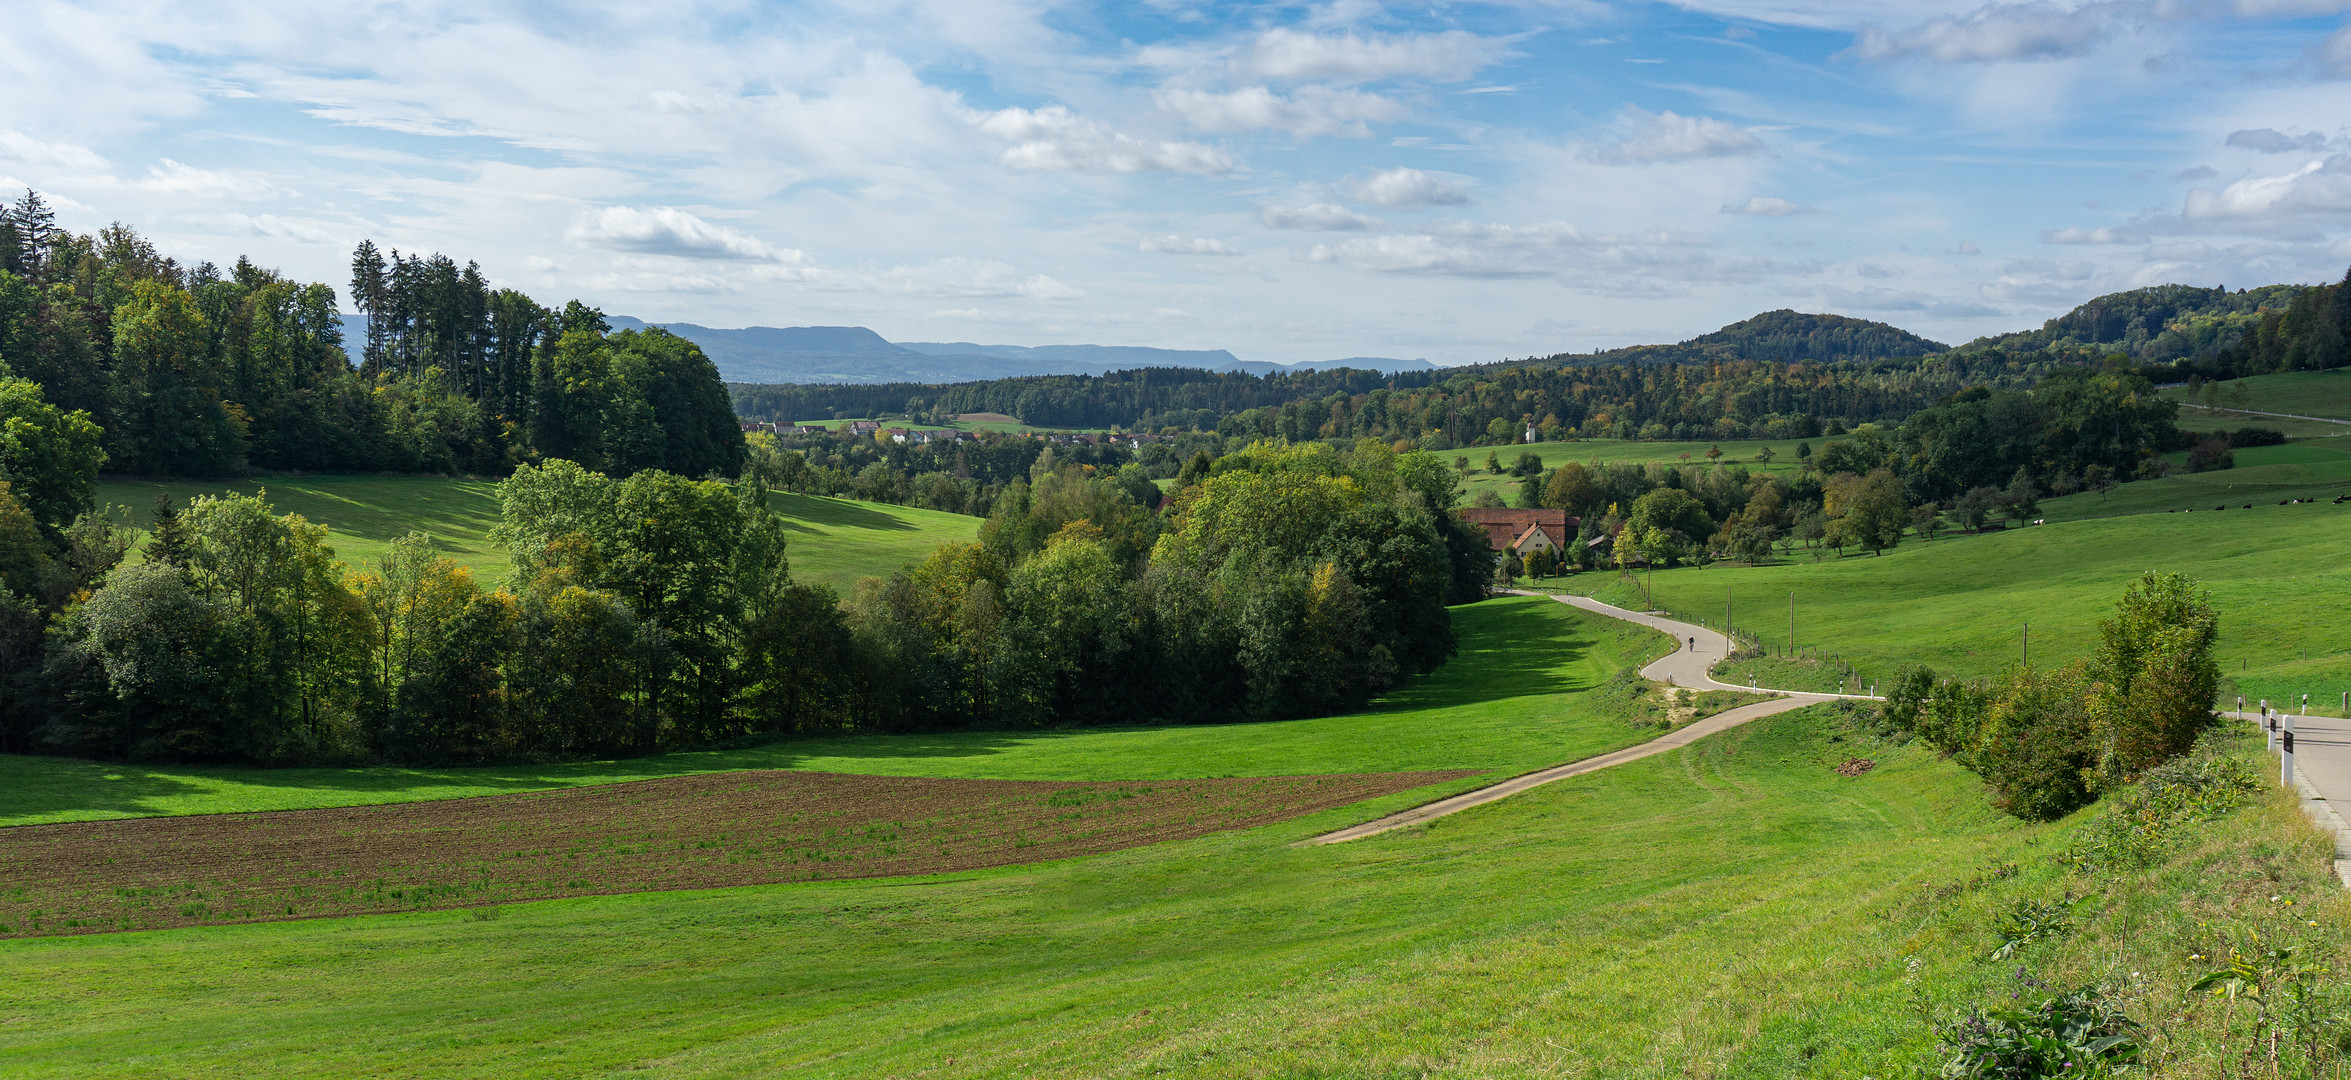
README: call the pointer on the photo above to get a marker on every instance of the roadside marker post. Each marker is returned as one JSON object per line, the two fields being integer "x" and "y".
{"x": 2286, "y": 758}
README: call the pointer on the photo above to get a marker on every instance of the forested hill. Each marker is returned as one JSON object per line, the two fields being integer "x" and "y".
{"x": 1747, "y": 365}
{"x": 1782, "y": 336}
{"x": 201, "y": 370}
{"x": 2161, "y": 322}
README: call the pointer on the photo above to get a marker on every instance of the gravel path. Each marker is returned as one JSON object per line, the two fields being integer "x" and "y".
{"x": 1687, "y": 666}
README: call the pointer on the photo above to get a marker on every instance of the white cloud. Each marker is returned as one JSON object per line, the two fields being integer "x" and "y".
{"x": 2273, "y": 141}
{"x": 2075, "y": 234}
{"x": 663, "y": 230}
{"x": 1767, "y": 206}
{"x": 178, "y": 179}
{"x": 1172, "y": 244}
{"x": 1403, "y": 189}
{"x": 1289, "y": 55}
{"x": 23, "y": 149}
{"x": 1651, "y": 263}
{"x": 1993, "y": 33}
{"x": 1312, "y": 111}
{"x": 1056, "y": 139}
{"x": 2263, "y": 203}
{"x": 1670, "y": 136}
{"x": 2332, "y": 54}
{"x": 960, "y": 277}
{"x": 1321, "y": 217}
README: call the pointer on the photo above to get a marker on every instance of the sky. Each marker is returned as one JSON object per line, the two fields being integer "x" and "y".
{"x": 1463, "y": 182}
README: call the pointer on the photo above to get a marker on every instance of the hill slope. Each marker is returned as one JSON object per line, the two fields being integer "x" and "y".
{"x": 1782, "y": 336}
{"x": 2158, "y": 323}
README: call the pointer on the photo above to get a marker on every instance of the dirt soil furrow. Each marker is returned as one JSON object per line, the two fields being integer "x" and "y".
{"x": 688, "y": 832}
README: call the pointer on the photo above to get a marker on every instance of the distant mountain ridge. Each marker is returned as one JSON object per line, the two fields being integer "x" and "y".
{"x": 855, "y": 354}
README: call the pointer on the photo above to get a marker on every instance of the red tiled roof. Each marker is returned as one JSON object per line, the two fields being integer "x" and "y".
{"x": 1505, "y": 525}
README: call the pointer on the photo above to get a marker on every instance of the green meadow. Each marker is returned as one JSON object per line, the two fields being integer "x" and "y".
{"x": 833, "y": 541}
{"x": 1735, "y": 908}
{"x": 1615, "y": 451}
{"x": 1961, "y": 603}
{"x": 1514, "y": 700}
{"x": 2264, "y": 475}
{"x": 1732, "y": 909}
{"x": 2306, "y": 393}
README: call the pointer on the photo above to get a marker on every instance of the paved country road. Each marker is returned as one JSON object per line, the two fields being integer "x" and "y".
{"x": 1687, "y": 666}
{"x": 2322, "y": 757}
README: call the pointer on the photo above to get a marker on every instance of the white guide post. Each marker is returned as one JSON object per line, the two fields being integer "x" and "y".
{"x": 2286, "y": 756}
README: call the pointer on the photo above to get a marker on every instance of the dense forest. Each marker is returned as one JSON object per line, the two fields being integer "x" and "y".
{"x": 201, "y": 371}
{"x": 1727, "y": 399}
{"x": 2208, "y": 333}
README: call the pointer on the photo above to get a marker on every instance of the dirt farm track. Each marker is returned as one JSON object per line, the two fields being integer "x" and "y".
{"x": 706, "y": 831}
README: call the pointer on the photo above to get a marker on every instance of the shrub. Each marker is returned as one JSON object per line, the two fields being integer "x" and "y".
{"x": 2256, "y": 436}
{"x": 2082, "y": 1033}
{"x": 2211, "y": 455}
{"x": 2035, "y": 748}
{"x": 2155, "y": 678}
{"x": 2028, "y": 921}
{"x": 1947, "y": 713}
{"x": 2137, "y": 828}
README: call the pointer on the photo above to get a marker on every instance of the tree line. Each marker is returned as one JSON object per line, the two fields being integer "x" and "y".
{"x": 1977, "y": 452}
{"x": 204, "y": 371}
{"x": 654, "y": 611}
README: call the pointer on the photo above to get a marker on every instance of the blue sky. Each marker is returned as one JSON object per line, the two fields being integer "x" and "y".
{"x": 1462, "y": 182}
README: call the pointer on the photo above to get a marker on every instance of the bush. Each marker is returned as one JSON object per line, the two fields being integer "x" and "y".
{"x": 2211, "y": 455}
{"x": 2081, "y": 1033}
{"x": 2136, "y": 829}
{"x": 2154, "y": 675}
{"x": 2035, "y": 749}
{"x": 1947, "y": 713}
{"x": 2256, "y": 436}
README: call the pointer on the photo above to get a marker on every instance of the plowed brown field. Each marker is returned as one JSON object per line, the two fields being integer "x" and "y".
{"x": 688, "y": 832}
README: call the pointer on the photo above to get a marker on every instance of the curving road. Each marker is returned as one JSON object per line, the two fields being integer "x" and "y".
{"x": 1686, "y": 666}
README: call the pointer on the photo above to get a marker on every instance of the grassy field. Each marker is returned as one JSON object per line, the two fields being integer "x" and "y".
{"x": 1613, "y": 451}
{"x": 2302, "y": 469}
{"x": 2199, "y": 419}
{"x": 1514, "y": 700}
{"x": 2306, "y": 393}
{"x": 2277, "y": 575}
{"x": 1734, "y": 909}
{"x": 833, "y": 541}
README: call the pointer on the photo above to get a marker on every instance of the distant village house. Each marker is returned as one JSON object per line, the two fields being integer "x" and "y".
{"x": 1524, "y": 531}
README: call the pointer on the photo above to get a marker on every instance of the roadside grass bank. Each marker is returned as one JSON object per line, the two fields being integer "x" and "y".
{"x": 1513, "y": 700}
{"x": 1736, "y": 909}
